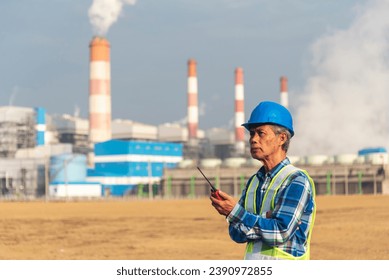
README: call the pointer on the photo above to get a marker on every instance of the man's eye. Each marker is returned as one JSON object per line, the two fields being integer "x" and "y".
{"x": 252, "y": 133}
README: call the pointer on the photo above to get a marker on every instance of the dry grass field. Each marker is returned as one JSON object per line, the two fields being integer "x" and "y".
{"x": 347, "y": 227}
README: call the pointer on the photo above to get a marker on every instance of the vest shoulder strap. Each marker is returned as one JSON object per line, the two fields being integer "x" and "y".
{"x": 250, "y": 198}
{"x": 275, "y": 184}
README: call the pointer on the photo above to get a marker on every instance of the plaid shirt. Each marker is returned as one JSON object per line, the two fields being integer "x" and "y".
{"x": 293, "y": 204}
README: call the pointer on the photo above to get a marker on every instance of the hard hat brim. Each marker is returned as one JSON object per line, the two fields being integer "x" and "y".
{"x": 248, "y": 125}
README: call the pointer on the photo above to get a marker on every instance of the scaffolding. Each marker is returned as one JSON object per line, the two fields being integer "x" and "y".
{"x": 16, "y": 135}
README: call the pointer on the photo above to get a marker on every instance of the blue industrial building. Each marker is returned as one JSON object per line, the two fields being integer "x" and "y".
{"x": 121, "y": 166}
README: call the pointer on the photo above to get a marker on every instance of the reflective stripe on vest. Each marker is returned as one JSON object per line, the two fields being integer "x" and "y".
{"x": 259, "y": 249}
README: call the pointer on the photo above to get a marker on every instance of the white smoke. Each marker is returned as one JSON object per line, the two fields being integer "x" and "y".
{"x": 345, "y": 104}
{"x": 103, "y": 13}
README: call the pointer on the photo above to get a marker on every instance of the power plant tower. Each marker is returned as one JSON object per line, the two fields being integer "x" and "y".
{"x": 284, "y": 92}
{"x": 239, "y": 112}
{"x": 99, "y": 92}
{"x": 193, "y": 111}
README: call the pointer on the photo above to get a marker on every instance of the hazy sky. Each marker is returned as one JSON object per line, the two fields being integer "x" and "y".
{"x": 44, "y": 46}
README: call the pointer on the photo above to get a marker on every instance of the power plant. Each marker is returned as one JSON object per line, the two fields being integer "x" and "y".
{"x": 67, "y": 156}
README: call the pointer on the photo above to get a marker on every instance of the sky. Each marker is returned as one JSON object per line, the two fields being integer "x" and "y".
{"x": 44, "y": 46}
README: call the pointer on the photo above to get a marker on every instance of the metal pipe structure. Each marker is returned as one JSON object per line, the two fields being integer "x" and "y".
{"x": 284, "y": 92}
{"x": 239, "y": 112}
{"x": 193, "y": 111}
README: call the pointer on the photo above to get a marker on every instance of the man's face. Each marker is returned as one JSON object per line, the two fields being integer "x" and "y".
{"x": 263, "y": 142}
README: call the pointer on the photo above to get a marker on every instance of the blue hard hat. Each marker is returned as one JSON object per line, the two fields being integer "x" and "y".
{"x": 268, "y": 112}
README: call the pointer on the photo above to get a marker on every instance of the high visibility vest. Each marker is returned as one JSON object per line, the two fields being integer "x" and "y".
{"x": 261, "y": 250}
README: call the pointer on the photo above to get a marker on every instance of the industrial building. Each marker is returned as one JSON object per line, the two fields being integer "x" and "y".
{"x": 72, "y": 130}
{"x": 138, "y": 163}
{"x": 27, "y": 174}
{"x": 68, "y": 177}
{"x": 23, "y": 154}
{"x": 130, "y": 130}
{"x": 122, "y": 167}
{"x": 366, "y": 173}
{"x": 22, "y": 178}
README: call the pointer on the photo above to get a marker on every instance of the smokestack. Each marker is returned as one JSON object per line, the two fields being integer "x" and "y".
{"x": 193, "y": 111}
{"x": 239, "y": 111}
{"x": 284, "y": 92}
{"x": 99, "y": 91}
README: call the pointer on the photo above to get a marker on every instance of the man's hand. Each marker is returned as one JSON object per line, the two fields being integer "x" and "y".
{"x": 224, "y": 206}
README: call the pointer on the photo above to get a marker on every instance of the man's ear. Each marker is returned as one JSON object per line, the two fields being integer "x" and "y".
{"x": 283, "y": 138}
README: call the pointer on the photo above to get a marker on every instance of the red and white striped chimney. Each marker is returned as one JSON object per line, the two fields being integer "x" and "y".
{"x": 99, "y": 91}
{"x": 239, "y": 111}
{"x": 284, "y": 92}
{"x": 193, "y": 111}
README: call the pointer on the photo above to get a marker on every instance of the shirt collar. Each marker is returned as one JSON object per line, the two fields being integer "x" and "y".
{"x": 262, "y": 172}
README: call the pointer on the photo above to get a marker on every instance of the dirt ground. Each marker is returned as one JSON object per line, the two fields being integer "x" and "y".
{"x": 347, "y": 227}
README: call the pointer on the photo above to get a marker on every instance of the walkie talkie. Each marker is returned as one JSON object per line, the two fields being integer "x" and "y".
{"x": 213, "y": 189}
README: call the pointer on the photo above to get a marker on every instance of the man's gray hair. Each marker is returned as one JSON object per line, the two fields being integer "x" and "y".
{"x": 280, "y": 129}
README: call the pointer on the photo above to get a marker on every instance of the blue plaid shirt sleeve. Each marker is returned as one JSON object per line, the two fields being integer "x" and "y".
{"x": 291, "y": 201}
{"x": 238, "y": 232}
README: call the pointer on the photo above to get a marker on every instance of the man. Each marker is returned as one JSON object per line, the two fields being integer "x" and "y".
{"x": 276, "y": 211}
